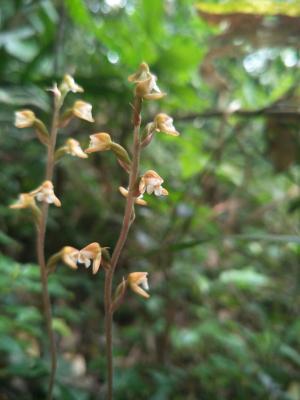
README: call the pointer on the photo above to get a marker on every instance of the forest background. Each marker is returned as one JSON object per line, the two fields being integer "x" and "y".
{"x": 222, "y": 251}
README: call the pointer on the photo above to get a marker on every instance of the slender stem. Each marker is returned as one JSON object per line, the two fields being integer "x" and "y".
{"x": 127, "y": 221}
{"x": 41, "y": 233}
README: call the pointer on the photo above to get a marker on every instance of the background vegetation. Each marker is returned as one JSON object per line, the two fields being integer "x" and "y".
{"x": 222, "y": 250}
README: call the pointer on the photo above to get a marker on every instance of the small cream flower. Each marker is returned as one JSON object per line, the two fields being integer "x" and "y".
{"x": 141, "y": 75}
{"x": 69, "y": 256}
{"x": 24, "y": 118}
{"x": 138, "y": 200}
{"x": 163, "y": 123}
{"x": 151, "y": 183}
{"x": 45, "y": 193}
{"x": 69, "y": 85}
{"x": 99, "y": 142}
{"x": 146, "y": 86}
{"x": 25, "y": 200}
{"x": 83, "y": 110}
{"x": 148, "y": 89}
{"x": 73, "y": 147}
{"x": 91, "y": 254}
{"x": 137, "y": 279}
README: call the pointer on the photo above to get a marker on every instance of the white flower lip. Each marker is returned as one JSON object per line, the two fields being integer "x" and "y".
{"x": 151, "y": 182}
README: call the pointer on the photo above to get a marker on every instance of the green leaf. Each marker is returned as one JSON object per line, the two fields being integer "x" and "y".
{"x": 244, "y": 279}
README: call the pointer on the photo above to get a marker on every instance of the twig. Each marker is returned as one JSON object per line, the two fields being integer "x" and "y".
{"x": 261, "y": 112}
{"x": 127, "y": 221}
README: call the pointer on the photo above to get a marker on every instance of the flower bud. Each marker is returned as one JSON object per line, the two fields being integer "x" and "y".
{"x": 83, "y": 110}
{"x": 137, "y": 279}
{"x": 41, "y": 132}
{"x": 138, "y": 200}
{"x": 119, "y": 295}
{"x": 122, "y": 156}
{"x": 99, "y": 142}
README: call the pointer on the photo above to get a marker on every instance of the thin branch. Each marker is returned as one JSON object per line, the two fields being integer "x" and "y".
{"x": 261, "y": 112}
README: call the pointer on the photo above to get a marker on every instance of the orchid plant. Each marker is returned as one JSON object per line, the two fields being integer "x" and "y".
{"x": 94, "y": 254}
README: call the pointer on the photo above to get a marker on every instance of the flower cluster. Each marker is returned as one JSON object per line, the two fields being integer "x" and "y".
{"x": 44, "y": 193}
{"x": 27, "y": 118}
{"x": 89, "y": 255}
{"x": 149, "y": 183}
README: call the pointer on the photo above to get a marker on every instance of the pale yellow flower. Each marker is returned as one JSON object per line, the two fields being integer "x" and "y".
{"x": 163, "y": 123}
{"x": 24, "y": 118}
{"x": 141, "y": 75}
{"x": 69, "y": 256}
{"x": 69, "y": 85}
{"x": 137, "y": 279}
{"x": 73, "y": 147}
{"x": 146, "y": 86}
{"x": 45, "y": 193}
{"x": 151, "y": 182}
{"x": 99, "y": 142}
{"x": 138, "y": 200}
{"x": 25, "y": 200}
{"x": 91, "y": 254}
{"x": 83, "y": 110}
{"x": 148, "y": 89}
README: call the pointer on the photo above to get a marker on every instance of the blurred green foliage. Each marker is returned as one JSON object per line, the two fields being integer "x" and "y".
{"x": 222, "y": 250}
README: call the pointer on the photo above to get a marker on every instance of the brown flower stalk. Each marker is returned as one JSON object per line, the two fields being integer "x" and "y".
{"x": 127, "y": 221}
{"x": 45, "y": 194}
{"x": 40, "y": 244}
